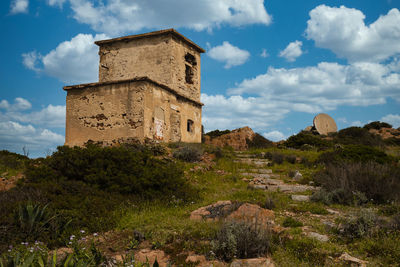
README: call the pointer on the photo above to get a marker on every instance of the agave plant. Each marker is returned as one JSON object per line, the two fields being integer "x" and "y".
{"x": 34, "y": 218}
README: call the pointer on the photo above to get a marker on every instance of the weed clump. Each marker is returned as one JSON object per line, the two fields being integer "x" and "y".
{"x": 188, "y": 153}
{"x": 357, "y": 136}
{"x": 259, "y": 141}
{"x": 240, "y": 240}
{"x": 377, "y": 125}
{"x": 304, "y": 139}
{"x": 356, "y": 183}
{"x": 290, "y": 222}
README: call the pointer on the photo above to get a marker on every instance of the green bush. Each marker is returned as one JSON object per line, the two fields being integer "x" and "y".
{"x": 361, "y": 225}
{"x": 217, "y": 133}
{"x": 307, "y": 139}
{"x": 188, "y": 153}
{"x": 355, "y": 153}
{"x": 377, "y": 125}
{"x": 259, "y": 141}
{"x": 290, "y": 222}
{"x": 357, "y": 136}
{"x": 291, "y": 159}
{"x": 275, "y": 157}
{"x": 348, "y": 181}
{"x": 113, "y": 169}
{"x": 240, "y": 240}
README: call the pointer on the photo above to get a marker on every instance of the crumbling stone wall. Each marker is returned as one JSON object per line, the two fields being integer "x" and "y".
{"x": 161, "y": 58}
{"x": 130, "y": 109}
{"x": 104, "y": 112}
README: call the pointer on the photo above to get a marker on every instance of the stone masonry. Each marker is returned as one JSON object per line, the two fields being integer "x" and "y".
{"x": 149, "y": 88}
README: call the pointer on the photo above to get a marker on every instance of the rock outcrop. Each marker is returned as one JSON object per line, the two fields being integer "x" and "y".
{"x": 237, "y": 139}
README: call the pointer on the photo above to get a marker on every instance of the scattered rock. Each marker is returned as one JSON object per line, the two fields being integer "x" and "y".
{"x": 297, "y": 176}
{"x": 264, "y": 171}
{"x": 253, "y": 214}
{"x": 317, "y": 236}
{"x": 352, "y": 260}
{"x": 301, "y": 198}
{"x": 256, "y": 262}
{"x": 203, "y": 262}
{"x": 213, "y": 211}
{"x": 258, "y": 175}
{"x": 151, "y": 255}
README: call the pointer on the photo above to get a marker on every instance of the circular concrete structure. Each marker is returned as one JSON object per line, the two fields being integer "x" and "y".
{"x": 324, "y": 124}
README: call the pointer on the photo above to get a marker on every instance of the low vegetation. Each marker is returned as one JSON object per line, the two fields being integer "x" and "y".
{"x": 136, "y": 195}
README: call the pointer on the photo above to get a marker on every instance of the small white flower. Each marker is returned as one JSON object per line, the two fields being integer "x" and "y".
{"x": 95, "y": 234}
{"x": 72, "y": 237}
{"x": 82, "y": 231}
{"x": 69, "y": 243}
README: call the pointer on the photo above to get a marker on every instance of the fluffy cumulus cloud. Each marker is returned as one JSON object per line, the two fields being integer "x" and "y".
{"x": 325, "y": 86}
{"x": 115, "y": 17}
{"x": 58, "y": 3}
{"x": 19, "y": 6}
{"x": 74, "y": 61}
{"x": 393, "y": 119}
{"x": 20, "y": 127}
{"x": 344, "y": 31}
{"x": 313, "y": 89}
{"x": 221, "y": 112}
{"x": 229, "y": 54}
{"x": 274, "y": 136}
{"x": 292, "y": 51}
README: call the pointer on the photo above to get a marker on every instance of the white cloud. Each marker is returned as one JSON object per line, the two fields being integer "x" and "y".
{"x": 221, "y": 112}
{"x": 58, "y": 3}
{"x": 74, "y": 61}
{"x": 292, "y": 51}
{"x": 19, "y": 6}
{"x": 393, "y": 119}
{"x": 115, "y": 17}
{"x": 19, "y": 127}
{"x": 343, "y": 31}
{"x": 264, "y": 53}
{"x": 325, "y": 86}
{"x": 14, "y": 136}
{"x": 18, "y": 105}
{"x": 50, "y": 116}
{"x": 274, "y": 136}
{"x": 229, "y": 54}
{"x": 357, "y": 123}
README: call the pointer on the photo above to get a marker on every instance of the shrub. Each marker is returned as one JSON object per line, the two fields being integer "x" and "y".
{"x": 188, "y": 153}
{"x": 290, "y": 222}
{"x": 291, "y": 159}
{"x": 240, "y": 240}
{"x": 355, "y": 153}
{"x": 377, "y": 125}
{"x": 113, "y": 169}
{"x": 304, "y": 138}
{"x": 357, "y": 136}
{"x": 347, "y": 181}
{"x": 277, "y": 158}
{"x": 217, "y": 133}
{"x": 9, "y": 160}
{"x": 361, "y": 225}
{"x": 259, "y": 141}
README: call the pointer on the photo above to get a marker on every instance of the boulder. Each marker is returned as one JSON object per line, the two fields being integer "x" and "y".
{"x": 253, "y": 214}
{"x": 144, "y": 255}
{"x": 235, "y": 139}
{"x": 256, "y": 262}
{"x": 211, "y": 212}
{"x": 352, "y": 260}
{"x": 201, "y": 261}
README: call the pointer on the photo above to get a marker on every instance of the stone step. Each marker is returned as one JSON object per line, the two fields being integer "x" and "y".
{"x": 266, "y": 171}
{"x": 258, "y": 175}
{"x": 300, "y": 198}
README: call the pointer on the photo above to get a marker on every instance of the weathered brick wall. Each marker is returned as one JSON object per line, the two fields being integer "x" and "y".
{"x": 161, "y": 58}
{"x": 105, "y": 113}
{"x": 121, "y": 111}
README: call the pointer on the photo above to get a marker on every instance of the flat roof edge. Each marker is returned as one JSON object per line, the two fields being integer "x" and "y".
{"x": 137, "y": 79}
{"x": 151, "y": 34}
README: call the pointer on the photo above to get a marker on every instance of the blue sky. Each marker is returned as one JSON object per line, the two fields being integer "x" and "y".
{"x": 271, "y": 65}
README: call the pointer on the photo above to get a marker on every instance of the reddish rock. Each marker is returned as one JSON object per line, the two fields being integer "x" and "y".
{"x": 204, "y": 212}
{"x": 256, "y": 262}
{"x": 235, "y": 139}
{"x": 203, "y": 262}
{"x": 253, "y": 214}
{"x": 151, "y": 255}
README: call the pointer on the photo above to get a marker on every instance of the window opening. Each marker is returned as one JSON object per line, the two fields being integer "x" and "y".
{"x": 190, "y": 59}
{"x": 190, "y": 126}
{"x": 189, "y": 74}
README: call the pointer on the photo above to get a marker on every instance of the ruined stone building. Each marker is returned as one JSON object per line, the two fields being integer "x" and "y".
{"x": 149, "y": 88}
